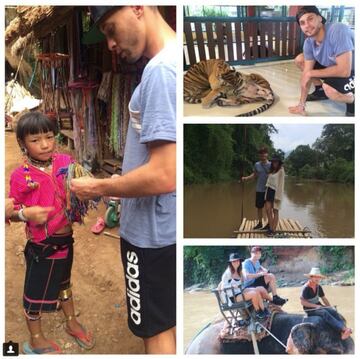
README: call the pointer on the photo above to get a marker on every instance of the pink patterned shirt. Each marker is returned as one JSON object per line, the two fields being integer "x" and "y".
{"x": 49, "y": 193}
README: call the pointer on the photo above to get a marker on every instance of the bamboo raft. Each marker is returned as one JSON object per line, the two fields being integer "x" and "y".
{"x": 287, "y": 228}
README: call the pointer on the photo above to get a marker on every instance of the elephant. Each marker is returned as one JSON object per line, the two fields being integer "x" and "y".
{"x": 327, "y": 340}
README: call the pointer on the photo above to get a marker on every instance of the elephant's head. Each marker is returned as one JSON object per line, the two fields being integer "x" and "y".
{"x": 310, "y": 338}
{"x": 302, "y": 339}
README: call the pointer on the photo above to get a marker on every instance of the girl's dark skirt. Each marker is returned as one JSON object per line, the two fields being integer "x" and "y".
{"x": 46, "y": 277}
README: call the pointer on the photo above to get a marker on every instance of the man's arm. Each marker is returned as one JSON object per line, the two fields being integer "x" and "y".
{"x": 248, "y": 274}
{"x": 156, "y": 177}
{"x": 325, "y": 301}
{"x": 250, "y": 177}
{"x": 306, "y": 80}
{"x": 305, "y": 86}
{"x": 341, "y": 69}
{"x": 306, "y": 303}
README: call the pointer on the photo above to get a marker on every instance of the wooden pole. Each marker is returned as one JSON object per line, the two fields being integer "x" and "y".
{"x": 254, "y": 341}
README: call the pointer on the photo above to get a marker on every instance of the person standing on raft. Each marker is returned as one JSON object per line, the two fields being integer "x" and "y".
{"x": 261, "y": 170}
{"x": 274, "y": 193}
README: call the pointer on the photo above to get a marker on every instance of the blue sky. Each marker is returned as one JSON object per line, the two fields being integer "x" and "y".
{"x": 291, "y": 136}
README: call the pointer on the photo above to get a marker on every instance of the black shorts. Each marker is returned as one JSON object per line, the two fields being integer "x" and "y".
{"x": 259, "y": 282}
{"x": 270, "y": 194}
{"x": 342, "y": 84}
{"x": 150, "y": 276}
{"x": 260, "y": 199}
{"x": 46, "y": 277}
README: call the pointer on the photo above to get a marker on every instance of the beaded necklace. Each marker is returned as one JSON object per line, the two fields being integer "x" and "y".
{"x": 40, "y": 164}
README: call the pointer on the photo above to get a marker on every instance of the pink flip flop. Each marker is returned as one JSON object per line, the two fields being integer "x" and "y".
{"x": 99, "y": 226}
{"x": 84, "y": 338}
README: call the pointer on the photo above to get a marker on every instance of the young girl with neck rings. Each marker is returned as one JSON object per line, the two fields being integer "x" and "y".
{"x": 38, "y": 184}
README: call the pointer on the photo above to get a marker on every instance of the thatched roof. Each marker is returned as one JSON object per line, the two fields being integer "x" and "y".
{"x": 41, "y": 20}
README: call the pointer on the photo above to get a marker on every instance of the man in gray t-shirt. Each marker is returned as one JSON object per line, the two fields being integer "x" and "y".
{"x": 261, "y": 171}
{"x": 327, "y": 61}
{"x": 147, "y": 185}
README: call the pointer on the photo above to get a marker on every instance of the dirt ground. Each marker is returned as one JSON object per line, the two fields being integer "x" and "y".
{"x": 98, "y": 284}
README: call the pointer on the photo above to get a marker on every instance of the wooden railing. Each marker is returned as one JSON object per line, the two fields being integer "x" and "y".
{"x": 240, "y": 40}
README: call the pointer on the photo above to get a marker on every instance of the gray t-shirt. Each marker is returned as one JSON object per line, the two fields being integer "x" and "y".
{"x": 150, "y": 222}
{"x": 261, "y": 170}
{"x": 339, "y": 38}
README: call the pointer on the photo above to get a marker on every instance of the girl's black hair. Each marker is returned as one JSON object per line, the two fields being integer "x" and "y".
{"x": 33, "y": 123}
{"x": 272, "y": 169}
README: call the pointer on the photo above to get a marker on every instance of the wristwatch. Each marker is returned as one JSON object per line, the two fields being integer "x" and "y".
{"x": 21, "y": 215}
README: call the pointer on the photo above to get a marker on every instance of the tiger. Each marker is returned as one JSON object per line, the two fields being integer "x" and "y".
{"x": 215, "y": 81}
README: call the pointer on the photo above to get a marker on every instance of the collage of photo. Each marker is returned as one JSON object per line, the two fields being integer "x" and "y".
{"x": 112, "y": 246}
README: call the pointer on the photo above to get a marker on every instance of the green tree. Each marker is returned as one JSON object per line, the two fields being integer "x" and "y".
{"x": 337, "y": 141}
{"x": 216, "y": 153}
{"x": 301, "y": 156}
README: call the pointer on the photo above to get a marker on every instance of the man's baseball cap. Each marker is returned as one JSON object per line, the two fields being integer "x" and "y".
{"x": 306, "y": 10}
{"x": 255, "y": 249}
{"x": 98, "y": 13}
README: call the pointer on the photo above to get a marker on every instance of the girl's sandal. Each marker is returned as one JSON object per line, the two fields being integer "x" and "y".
{"x": 84, "y": 338}
{"x": 52, "y": 349}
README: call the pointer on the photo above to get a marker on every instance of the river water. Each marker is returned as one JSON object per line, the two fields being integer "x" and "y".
{"x": 214, "y": 210}
{"x": 200, "y": 308}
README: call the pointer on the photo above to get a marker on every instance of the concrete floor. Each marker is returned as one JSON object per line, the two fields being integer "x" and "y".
{"x": 284, "y": 78}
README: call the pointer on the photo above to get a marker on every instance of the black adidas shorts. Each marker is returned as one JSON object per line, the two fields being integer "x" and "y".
{"x": 150, "y": 276}
{"x": 342, "y": 84}
{"x": 260, "y": 200}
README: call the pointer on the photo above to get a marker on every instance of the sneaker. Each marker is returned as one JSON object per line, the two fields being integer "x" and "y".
{"x": 270, "y": 233}
{"x": 317, "y": 95}
{"x": 258, "y": 226}
{"x": 266, "y": 228}
{"x": 260, "y": 315}
{"x": 278, "y": 300}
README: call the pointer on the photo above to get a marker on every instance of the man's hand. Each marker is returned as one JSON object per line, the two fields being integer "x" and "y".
{"x": 85, "y": 188}
{"x": 9, "y": 207}
{"x": 297, "y": 110}
{"x": 37, "y": 214}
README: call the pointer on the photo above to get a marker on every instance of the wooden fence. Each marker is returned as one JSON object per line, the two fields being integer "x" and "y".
{"x": 241, "y": 41}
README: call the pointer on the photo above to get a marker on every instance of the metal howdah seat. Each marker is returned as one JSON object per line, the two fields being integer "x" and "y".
{"x": 233, "y": 312}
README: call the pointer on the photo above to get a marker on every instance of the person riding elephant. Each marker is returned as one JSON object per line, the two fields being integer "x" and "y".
{"x": 315, "y": 303}
{"x": 257, "y": 276}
